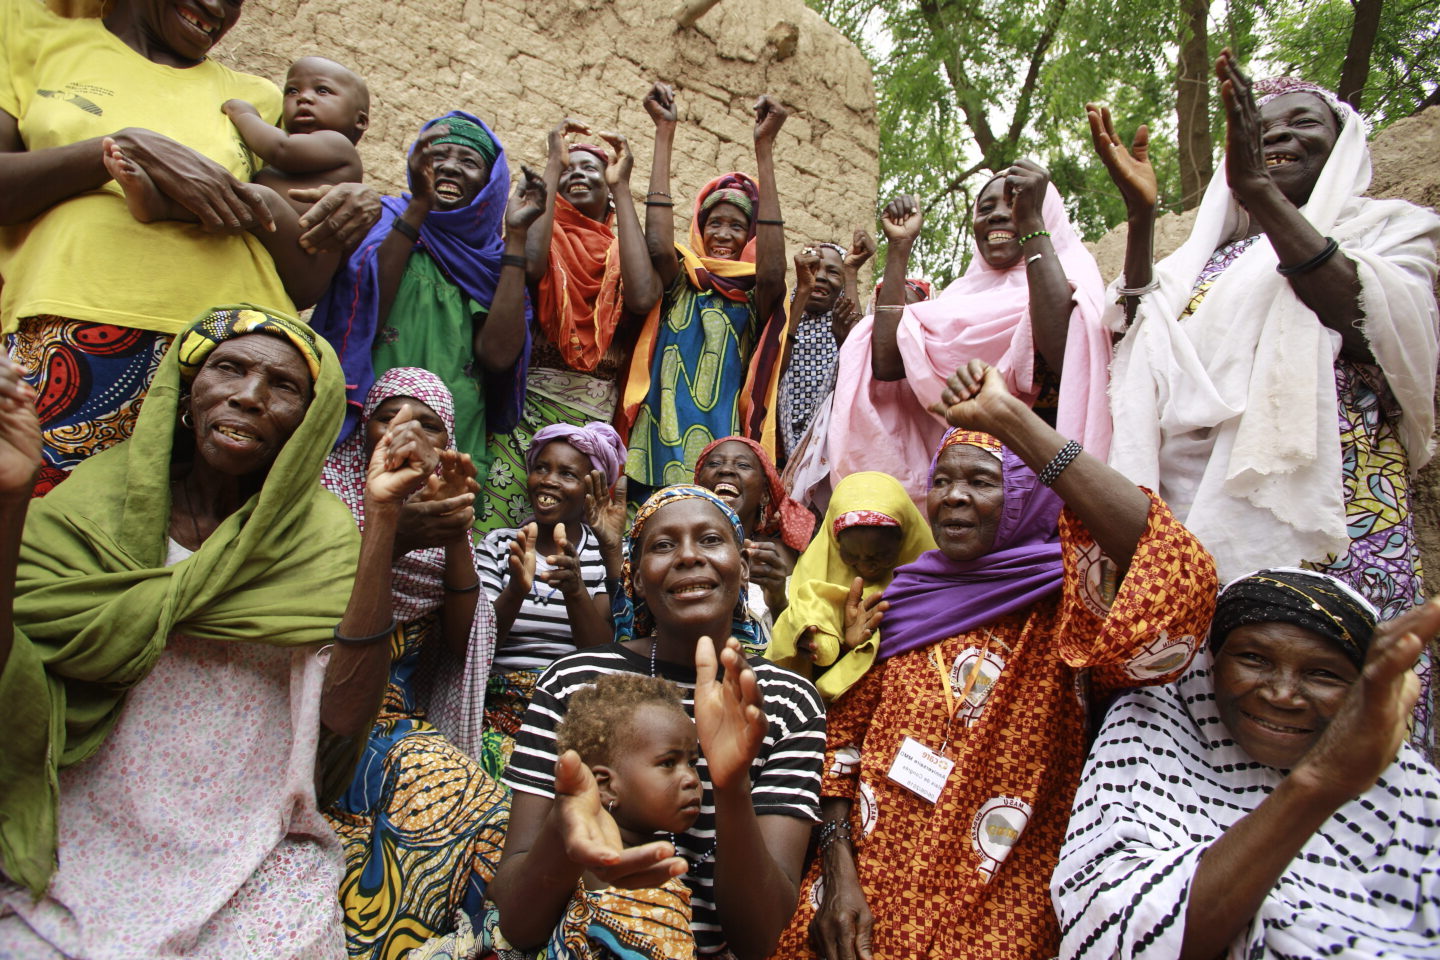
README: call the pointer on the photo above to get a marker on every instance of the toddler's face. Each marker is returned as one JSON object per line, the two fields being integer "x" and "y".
{"x": 656, "y": 786}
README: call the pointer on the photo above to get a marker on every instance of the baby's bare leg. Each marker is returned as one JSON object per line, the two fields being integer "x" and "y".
{"x": 147, "y": 204}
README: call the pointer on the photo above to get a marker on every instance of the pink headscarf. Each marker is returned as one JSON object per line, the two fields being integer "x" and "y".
{"x": 985, "y": 314}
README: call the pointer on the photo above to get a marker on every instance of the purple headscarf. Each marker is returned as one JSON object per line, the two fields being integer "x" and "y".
{"x": 598, "y": 441}
{"x": 467, "y": 244}
{"x": 935, "y": 597}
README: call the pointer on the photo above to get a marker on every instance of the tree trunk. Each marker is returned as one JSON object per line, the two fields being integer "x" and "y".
{"x": 1356, "y": 69}
{"x": 1192, "y": 102}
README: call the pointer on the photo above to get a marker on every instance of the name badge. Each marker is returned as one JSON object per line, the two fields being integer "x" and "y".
{"x": 920, "y": 770}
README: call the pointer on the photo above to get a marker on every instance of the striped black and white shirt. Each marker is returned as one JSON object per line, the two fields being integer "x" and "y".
{"x": 541, "y": 632}
{"x": 785, "y": 777}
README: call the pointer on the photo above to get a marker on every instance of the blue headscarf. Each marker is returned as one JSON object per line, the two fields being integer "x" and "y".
{"x": 467, "y": 244}
{"x": 631, "y": 614}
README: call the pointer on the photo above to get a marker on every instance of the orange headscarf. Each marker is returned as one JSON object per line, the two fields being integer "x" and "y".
{"x": 580, "y": 305}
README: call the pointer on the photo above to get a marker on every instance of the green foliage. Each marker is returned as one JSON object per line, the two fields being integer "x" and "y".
{"x": 966, "y": 86}
{"x": 1308, "y": 39}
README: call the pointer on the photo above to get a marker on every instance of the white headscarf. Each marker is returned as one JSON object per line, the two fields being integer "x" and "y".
{"x": 1232, "y": 413}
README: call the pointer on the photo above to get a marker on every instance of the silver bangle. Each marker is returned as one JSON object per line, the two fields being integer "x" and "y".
{"x": 1150, "y": 287}
{"x": 1031, "y": 259}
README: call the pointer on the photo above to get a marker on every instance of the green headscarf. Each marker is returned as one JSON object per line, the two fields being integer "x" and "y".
{"x": 95, "y": 603}
{"x": 470, "y": 135}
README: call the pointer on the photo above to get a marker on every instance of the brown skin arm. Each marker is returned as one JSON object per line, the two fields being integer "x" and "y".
{"x": 842, "y": 926}
{"x": 1240, "y": 869}
{"x": 457, "y": 482}
{"x": 1114, "y": 510}
{"x": 32, "y": 182}
{"x": 395, "y": 249}
{"x": 291, "y": 152}
{"x": 639, "y": 283}
{"x": 1050, "y": 301}
{"x": 805, "y": 263}
{"x": 356, "y": 676}
{"x": 537, "y": 242}
{"x": 862, "y": 248}
{"x": 1135, "y": 177}
{"x": 20, "y": 460}
{"x": 769, "y": 237}
{"x": 660, "y": 220}
{"x": 1332, "y": 289}
{"x": 501, "y": 336}
{"x": 901, "y": 221}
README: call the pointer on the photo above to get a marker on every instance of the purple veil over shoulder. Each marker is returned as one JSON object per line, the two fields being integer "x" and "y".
{"x": 467, "y": 244}
{"x": 935, "y": 597}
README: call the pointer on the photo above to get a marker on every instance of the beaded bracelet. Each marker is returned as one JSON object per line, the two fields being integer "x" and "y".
{"x": 1032, "y": 236}
{"x": 830, "y": 831}
{"x": 364, "y": 641}
{"x": 1330, "y": 248}
{"x": 512, "y": 260}
{"x": 658, "y": 203}
{"x": 770, "y": 223}
{"x": 659, "y": 193}
{"x": 403, "y": 227}
{"x": 1063, "y": 459}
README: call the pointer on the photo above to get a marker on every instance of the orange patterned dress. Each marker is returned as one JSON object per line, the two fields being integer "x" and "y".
{"x": 969, "y": 876}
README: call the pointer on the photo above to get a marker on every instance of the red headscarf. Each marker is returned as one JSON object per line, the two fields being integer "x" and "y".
{"x": 782, "y": 515}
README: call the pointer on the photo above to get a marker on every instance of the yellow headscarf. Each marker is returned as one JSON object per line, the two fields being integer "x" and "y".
{"x": 821, "y": 583}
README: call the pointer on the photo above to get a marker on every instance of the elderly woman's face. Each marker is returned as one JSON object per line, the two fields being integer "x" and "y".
{"x": 429, "y": 421}
{"x": 1298, "y": 131}
{"x": 726, "y": 231}
{"x": 829, "y": 281}
{"x": 583, "y": 184}
{"x": 246, "y": 401}
{"x": 690, "y": 568}
{"x": 874, "y": 552}
{"x": 1277, "y": 686}
{"x": 965, "y": 501}
{"x": 189, "y": 28}
{"x": 733, "y": 473}
{"x": 460, "y": 173}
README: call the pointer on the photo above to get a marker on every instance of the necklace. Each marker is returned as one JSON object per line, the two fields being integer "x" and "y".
{"x": 654, "y": 645}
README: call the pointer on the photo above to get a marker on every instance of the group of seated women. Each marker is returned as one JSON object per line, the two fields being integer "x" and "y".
{"x": 562, "y": 589}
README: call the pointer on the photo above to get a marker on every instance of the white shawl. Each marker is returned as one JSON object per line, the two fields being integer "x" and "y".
{"x": 1164, "y": 781}
{"x": 1231, "y": 414}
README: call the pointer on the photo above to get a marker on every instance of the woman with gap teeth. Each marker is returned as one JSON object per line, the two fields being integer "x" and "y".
{"x": 1276, "y": 381}
{"x": 548, "y": 579}
{"x": 1029, "y": 304}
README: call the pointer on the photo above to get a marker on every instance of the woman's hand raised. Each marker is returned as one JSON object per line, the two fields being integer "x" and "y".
{"x": 901, "y": 219}
{"x": 618, "y": 166}
{"x": 526, "y": 203}
{"x": 1130, "y": 169}
{"x": 605, "y": 512}
{"x": 660, "y": 104}
{"x": 1245, "y": 169}
{"x": 769, "y": 118}
{"x": 444, "y": 509}
{"x": 20, "y": 457}
{"x": 403, "y": 459}
{"x": 1364, "y": 736}
{"x": 862, "y": 614}
{"x": 974, "y": 396}
{"x": 729, "y": 712}
{"x": 592, "y": 838}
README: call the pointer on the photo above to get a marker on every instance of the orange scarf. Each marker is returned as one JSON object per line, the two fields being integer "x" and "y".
{"x": 580, "y": 305}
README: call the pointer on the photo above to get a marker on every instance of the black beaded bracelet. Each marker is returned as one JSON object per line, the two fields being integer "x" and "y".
{"x": 364, "y": 641}
{"x": 402, "y": 227}
{"x": 763, "y": 221}
{"x": 658, "y": 203}
{"x": 512, "y": 260}
{"x": 1330, "y": 249}
{"x": 830, "y": 831}
{"x": 470, "y": 589}
{"x": 1057, "y": 466}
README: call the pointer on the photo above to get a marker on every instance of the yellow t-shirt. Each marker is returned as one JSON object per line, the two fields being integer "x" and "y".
{"x": 86, "y": 257}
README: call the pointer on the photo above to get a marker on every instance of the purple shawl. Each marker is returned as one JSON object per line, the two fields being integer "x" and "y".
{"x": 467, "y": 244}
{"x": 936, "y": 598}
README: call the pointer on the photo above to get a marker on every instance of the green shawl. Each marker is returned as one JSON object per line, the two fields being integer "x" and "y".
{"x": 95, "y": 603}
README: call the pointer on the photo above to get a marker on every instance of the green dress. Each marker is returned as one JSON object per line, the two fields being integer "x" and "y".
{"x": 432, "y": 325}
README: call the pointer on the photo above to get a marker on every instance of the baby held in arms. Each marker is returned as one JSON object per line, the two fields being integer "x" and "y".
{"x": 641, "y": 748}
